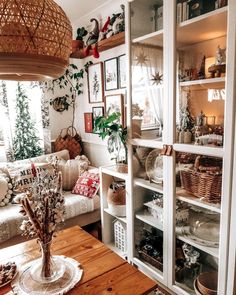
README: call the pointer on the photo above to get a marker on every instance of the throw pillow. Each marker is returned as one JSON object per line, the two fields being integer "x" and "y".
{"x": 87, "y": 185}
{"x": 71, "y": 170}
{"x": 5, "y": 190}
{"x": 22, "y": 176}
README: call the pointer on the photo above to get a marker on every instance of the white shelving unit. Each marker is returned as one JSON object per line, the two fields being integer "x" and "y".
{"x": 107, "y": 175}
{"x": 191, "y": 37}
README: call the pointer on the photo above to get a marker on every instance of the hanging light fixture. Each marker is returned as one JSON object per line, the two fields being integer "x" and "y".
{"x": 35, "y": 40}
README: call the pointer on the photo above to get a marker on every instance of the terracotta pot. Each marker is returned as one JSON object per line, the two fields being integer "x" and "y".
{"x": 136, "y": 127}
{"x": 116, "y": 200}
{"x": 77, "y": 44}
{"x": 187, "y": 137}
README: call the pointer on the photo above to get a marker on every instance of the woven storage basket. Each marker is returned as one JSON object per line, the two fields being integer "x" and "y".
{"x": 202, "y": 184}
{"x": 154, "y": 262}
{"x": 70, "y": 141}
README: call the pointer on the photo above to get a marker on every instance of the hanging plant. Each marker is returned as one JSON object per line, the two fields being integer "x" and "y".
{"x": 61, "y": 104}
{"x": 71, "y": 81}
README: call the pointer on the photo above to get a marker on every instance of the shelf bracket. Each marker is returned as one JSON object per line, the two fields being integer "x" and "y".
{"x": 167, "y": 150}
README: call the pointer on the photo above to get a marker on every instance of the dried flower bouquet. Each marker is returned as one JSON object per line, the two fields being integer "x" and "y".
{"x": 43, "y": 207}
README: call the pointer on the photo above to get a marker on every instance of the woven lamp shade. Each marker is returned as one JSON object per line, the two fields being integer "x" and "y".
{"x": 35, "y": 40}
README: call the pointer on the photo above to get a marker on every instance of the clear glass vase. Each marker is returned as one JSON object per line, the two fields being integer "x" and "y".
{"x": 48, "y": 268}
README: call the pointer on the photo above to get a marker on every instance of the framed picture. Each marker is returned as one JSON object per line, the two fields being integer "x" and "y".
{"x": 122, "y": 71}
{"x": 115, "y": 103}
{"x": 97, "y": 112}
{"x": 88, "y": 122}
{"x": 111, "y": 74}
{"x": 95, "y": 83}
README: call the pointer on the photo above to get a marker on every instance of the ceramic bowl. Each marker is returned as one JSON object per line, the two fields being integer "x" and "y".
{"x": 207, "y": 283}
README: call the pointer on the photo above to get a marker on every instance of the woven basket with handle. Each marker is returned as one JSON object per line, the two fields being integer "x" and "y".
{"x": 70, "y": 140}
{"x": 205, "y": 184}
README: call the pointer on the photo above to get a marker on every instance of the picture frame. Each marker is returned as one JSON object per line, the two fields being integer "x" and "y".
{"x": 95, "y": 83}
{"x": 97, "y": 112}
{"x": 111, "y": 74}
{"x": 122, "y": 75}
{"x": 88, "y": 122}
{"x": 115, "y": 103}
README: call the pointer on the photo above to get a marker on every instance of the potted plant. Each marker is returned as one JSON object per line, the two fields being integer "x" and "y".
{"x": 79, "y": 43}
{"x": 110, "y": 126}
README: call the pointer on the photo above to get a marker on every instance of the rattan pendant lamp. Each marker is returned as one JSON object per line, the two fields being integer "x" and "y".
{"x": 35, "y": 40}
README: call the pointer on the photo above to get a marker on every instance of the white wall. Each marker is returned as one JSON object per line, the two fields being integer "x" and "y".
{"x": 95, "y": 148}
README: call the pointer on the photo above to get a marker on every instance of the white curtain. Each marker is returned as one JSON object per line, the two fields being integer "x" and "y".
{"x": 147, "y": 64}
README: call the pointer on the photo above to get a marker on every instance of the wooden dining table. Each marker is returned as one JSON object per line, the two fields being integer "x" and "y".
{"x": 104, "y": 272}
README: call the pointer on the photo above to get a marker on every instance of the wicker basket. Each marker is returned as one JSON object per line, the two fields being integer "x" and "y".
{"x": 202, "y": 184}
{"x": 154, "y": 262}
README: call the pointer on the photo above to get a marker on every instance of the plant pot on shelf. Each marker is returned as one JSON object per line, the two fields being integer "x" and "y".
{"x": 116, "y": 198}
{"x": 77, "y": 44}
{"x": 136, "y": 127}
{"x": 122, "y": 167}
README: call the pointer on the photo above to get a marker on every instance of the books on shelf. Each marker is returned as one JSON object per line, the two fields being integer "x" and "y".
{"x": 187, "y": 9}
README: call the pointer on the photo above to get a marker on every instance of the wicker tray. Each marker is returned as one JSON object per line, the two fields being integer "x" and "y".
{"x": 151, "y": 260}
{"x": 202, "y": 184}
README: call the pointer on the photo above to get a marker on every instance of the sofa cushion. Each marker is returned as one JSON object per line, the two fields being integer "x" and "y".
{"x": 87, "y": 185}
{"x": 22, "y": 175}
{"x": 5, "y": 190}
{"x": 71, "y": 170}
{"x": 11, "y": 219}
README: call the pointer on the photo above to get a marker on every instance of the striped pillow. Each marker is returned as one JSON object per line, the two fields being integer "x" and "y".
{"x": 71, "y": 170}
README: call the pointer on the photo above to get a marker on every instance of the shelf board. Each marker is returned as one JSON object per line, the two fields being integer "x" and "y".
{"x": 152, "y": 143}
{"x": 210, "y": 250}
{"x": 200, "y": 150}
{"x": 208, "y": 26}
{"x": 116, "y": 250}
{"x": 212, "y": 83}
{"x": 148, "y": 185}
{"x": 148, "y": 268}
{"x": 184, "y": 196}
{"x": 154, "y": 38}
{"x": 103, "y": 45}
{"x": 123, "y": 219}
{"x": 111, "y": 170}
{"x": 149, "y": 219}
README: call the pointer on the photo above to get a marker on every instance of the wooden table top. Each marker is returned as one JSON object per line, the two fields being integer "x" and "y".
{"x": 104, "y": 271}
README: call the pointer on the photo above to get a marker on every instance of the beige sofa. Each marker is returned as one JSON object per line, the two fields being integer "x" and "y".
{"x": 79, "y": 210}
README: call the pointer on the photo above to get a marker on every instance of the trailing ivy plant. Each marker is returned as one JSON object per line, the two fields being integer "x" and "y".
{"x": 71, "y": 80}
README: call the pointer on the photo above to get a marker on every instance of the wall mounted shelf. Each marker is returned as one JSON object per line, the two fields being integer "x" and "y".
{"x": 103, "y": 45}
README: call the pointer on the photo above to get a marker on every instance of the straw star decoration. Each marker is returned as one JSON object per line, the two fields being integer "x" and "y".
{"x": 156, "y": 78}
{"x": 141, "y": 59}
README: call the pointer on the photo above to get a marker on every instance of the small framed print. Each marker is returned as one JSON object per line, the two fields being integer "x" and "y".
{"x": 95, "y": 83}
{"x": 122, "y": 71}
{"x": 88, "y": 122}
{"x": 113, "y": 104}
{"x": 97, "y": 112}
{"x": 111, "y": 74}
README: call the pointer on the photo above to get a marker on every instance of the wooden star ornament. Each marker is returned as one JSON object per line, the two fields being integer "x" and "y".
{"x": 156, "y": 79}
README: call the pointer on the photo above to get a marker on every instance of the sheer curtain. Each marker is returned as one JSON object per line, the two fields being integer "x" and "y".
{"x": 147, "y": 64}
{"x": 39, "y": 112}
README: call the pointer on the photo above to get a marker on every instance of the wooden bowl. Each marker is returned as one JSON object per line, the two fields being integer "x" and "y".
{"x": 207, "y": 283}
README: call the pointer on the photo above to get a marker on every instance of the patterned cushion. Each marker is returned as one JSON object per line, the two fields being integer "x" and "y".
{"x": 87, "y": 185}
{"x": 22, "y": 175}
